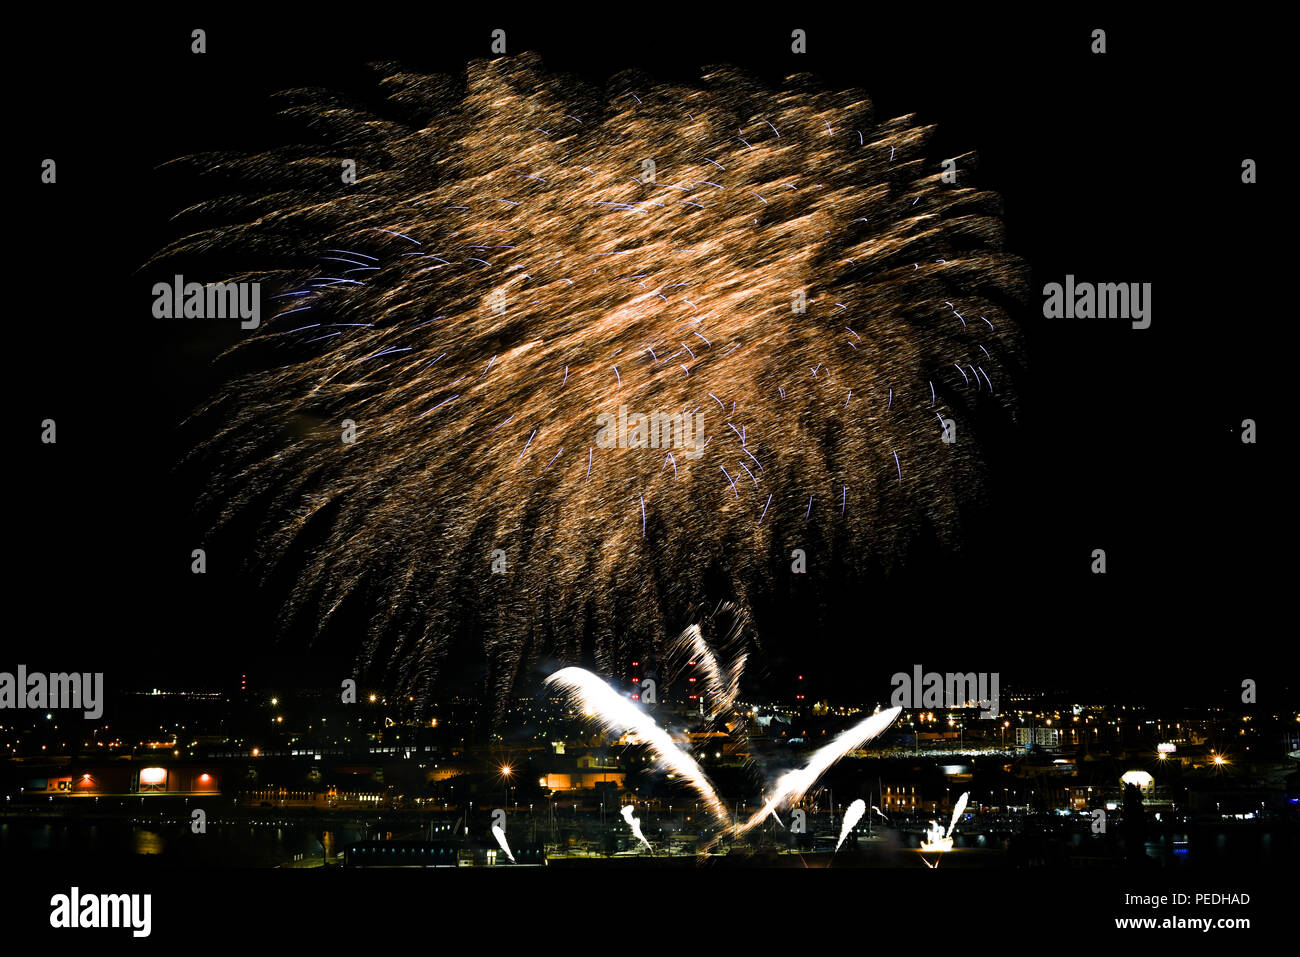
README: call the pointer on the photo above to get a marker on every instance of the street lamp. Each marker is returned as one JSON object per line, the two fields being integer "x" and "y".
{"x": 506, "y": 771}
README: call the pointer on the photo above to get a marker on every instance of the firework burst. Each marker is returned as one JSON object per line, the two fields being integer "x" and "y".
{"x": 520, "y": 254}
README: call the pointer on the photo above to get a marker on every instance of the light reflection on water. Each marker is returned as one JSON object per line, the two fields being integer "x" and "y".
{"x": 222, "y": 845}
{"x": 269, "y": 846}
{"x": 145, "y": 841}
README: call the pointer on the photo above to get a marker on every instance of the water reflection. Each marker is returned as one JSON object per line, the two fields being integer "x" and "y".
{"x": 145, "y": 841}
{"x": 236, "y": 845}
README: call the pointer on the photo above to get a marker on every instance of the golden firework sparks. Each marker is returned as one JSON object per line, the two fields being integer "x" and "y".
{"x": 521, "y": 255}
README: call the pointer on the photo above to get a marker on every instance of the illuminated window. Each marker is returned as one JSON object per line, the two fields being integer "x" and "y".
{"x": 153, "y": 779}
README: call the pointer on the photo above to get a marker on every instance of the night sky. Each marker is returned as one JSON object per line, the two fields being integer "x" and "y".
{"x": 1116, "y": 168}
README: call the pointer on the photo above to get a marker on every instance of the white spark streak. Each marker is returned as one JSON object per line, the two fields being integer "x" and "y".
{"x": 635, "y": 824}
{"x": 500, "y": 835}
{"x": 615, "y": 712}
{"x": 851, "y": 817}
{"x": 792, "y": 785}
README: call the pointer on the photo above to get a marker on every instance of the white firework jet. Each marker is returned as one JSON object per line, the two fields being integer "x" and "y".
{"x": 794, "y": 784}
{"x": 852, "y": 815}
{"x": 634, "y": 823}
{"x": 616, "y": 713}
{"x": 936, "y": 839}
{"x": 500, "y": 835}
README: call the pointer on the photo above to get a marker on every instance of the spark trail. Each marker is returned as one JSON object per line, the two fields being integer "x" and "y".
{"x": 791, "y": 786}
{"x": 721, "y": 684}
{"x": 615, "y": 713}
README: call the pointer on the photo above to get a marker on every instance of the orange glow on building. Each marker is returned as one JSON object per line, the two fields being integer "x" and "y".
{"x": 579, "y": 780}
